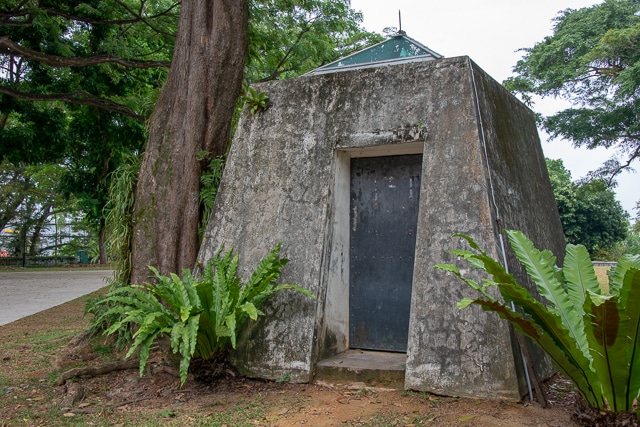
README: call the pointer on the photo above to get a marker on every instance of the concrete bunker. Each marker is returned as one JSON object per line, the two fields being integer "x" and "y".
{"x": 465, "y": 156}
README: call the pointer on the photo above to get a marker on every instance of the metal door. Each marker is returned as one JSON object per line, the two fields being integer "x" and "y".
{"x": 385, "y": 195}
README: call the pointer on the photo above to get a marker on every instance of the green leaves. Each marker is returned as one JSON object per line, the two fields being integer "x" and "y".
{"x": 540, "y": 266}
{"x": 591, "y": 337}
{"x": 590, "y": 214}
{"x": 257, "y": 101}
{"x": 209, "y": 183}
{"x": 591, "y": 60}
{"x": 201, "y": 317}
{"x": 287, "y": 39}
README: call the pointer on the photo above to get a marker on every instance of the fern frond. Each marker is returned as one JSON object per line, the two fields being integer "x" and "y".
{"x": 145, "y": 348}
{"x": 192, "y": 328}
{"x": 630, "y": 298}
{"x": 542, "y": 273}
{"x": 580, "y": 277}
{"x": 230, "y": 323}
{"x": 560, "y": 358}
{"x": 202, "y": 317}
{"x": 617, "y": 273}
{"x": 594, "y": 339}
{"x": 267, "y": 271}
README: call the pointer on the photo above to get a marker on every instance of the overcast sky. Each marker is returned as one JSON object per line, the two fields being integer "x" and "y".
{"x": 490, "y": 33}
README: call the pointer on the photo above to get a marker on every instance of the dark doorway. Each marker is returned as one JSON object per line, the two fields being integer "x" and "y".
{"x": 385, "y": 195}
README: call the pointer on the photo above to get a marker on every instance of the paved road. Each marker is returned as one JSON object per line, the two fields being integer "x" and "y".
{"x": 23, "y": 293}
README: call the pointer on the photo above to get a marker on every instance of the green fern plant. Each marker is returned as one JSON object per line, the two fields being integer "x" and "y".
{"x": 257, "y": 101}
{"x": 591, "y": 335}
{"x": 118, "y": 219}
{"x": 201, "y": 317}
{"x": 209, "y": 184}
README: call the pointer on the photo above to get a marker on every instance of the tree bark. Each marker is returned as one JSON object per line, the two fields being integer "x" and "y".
{"x": 37, "y": 230}
{"x": 102, "y": 244}
{"x": 192, "y": 115}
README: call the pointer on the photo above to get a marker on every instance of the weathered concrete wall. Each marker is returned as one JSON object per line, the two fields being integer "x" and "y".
{"x": 484, "y": 172}
{"x": 452, "y": 351}
{"x": 522, "y": 190}
{"x": 287, "y": 178}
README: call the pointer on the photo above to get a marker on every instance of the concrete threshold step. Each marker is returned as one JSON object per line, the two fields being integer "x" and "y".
{"x": 373, "y": 368}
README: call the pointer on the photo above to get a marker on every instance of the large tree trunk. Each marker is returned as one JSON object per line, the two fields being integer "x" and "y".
{"x": 34, "y": 243}
{"x": 102, "y": 244}
{"x": 192, "y": 115}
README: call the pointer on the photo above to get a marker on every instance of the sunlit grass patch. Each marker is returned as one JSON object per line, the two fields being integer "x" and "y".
{"x": 603, "y": 279}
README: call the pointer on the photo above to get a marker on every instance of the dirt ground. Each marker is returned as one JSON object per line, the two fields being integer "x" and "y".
{"x": 35, "y": 350}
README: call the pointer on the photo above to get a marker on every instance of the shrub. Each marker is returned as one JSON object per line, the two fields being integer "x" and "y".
{"x": 591, "y": 334}
{"x": 201, "y": 317}
{"x": 118, "y": 213}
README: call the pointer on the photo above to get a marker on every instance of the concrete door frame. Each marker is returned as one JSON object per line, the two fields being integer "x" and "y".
{"x": 336, "y": 310}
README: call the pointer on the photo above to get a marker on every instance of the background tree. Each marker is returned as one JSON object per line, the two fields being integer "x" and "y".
{"x": 289, "y": 38}
{"x": 592, "y": 60}
{"x": 13, "y": 190}
{"x": 77, "y": 81}
{"x": 92, "y": 70}
{"x": 29, "y": 204}
{"x": 191, "y": 124}
{"x": 631, "y": 244}
{"x": 99, "y": 141}
{"x": 589, "y": 212}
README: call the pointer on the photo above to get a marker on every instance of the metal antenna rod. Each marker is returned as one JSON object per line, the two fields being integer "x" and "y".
{"x": 399, "y": 21}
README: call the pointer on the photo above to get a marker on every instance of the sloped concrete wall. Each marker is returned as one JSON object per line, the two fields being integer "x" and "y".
{"x": 287, "y": 178}
{"x": 485, "y": 172}
{"x": 452, "y": 351}
{"x": 521, "y": 188}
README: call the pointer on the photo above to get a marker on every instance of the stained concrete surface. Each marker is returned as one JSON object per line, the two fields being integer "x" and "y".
{"x": 363, "y": 359}
{"x": 372, "y": 368}
{"x": 483, "y": 171}
{"x": 23, "y": 293}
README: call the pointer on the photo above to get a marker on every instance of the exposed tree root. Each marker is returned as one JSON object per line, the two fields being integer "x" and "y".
{"x": 93, "y": 371}
{"x": 75, "y": 393}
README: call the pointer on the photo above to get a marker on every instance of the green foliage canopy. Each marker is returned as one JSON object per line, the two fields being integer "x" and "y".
{"x": 288, "y": 38}
{"x": 107, "y": 54}
{"x": 78, "y": 78}
{"x": 592, "y": 60}
{"x": 589, "y": 212}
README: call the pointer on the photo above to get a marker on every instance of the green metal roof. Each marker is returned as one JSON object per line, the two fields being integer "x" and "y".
{"x": 395, "y": 50}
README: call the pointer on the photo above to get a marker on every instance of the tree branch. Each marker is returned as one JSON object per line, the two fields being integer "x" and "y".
{"x": 6, "y": 17}
{"x": 276, "y": 72}
{"x": 620, "y": 168}
{"x": 86, "y": 20}
{"x": 6, "y": 21}
{"x": 146, "y": 21}
{"x": 9, "y": 47}
{"x": 137, "y": 18}
{"x": 93, "y": 371}
{"x": 76, "y": 97}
